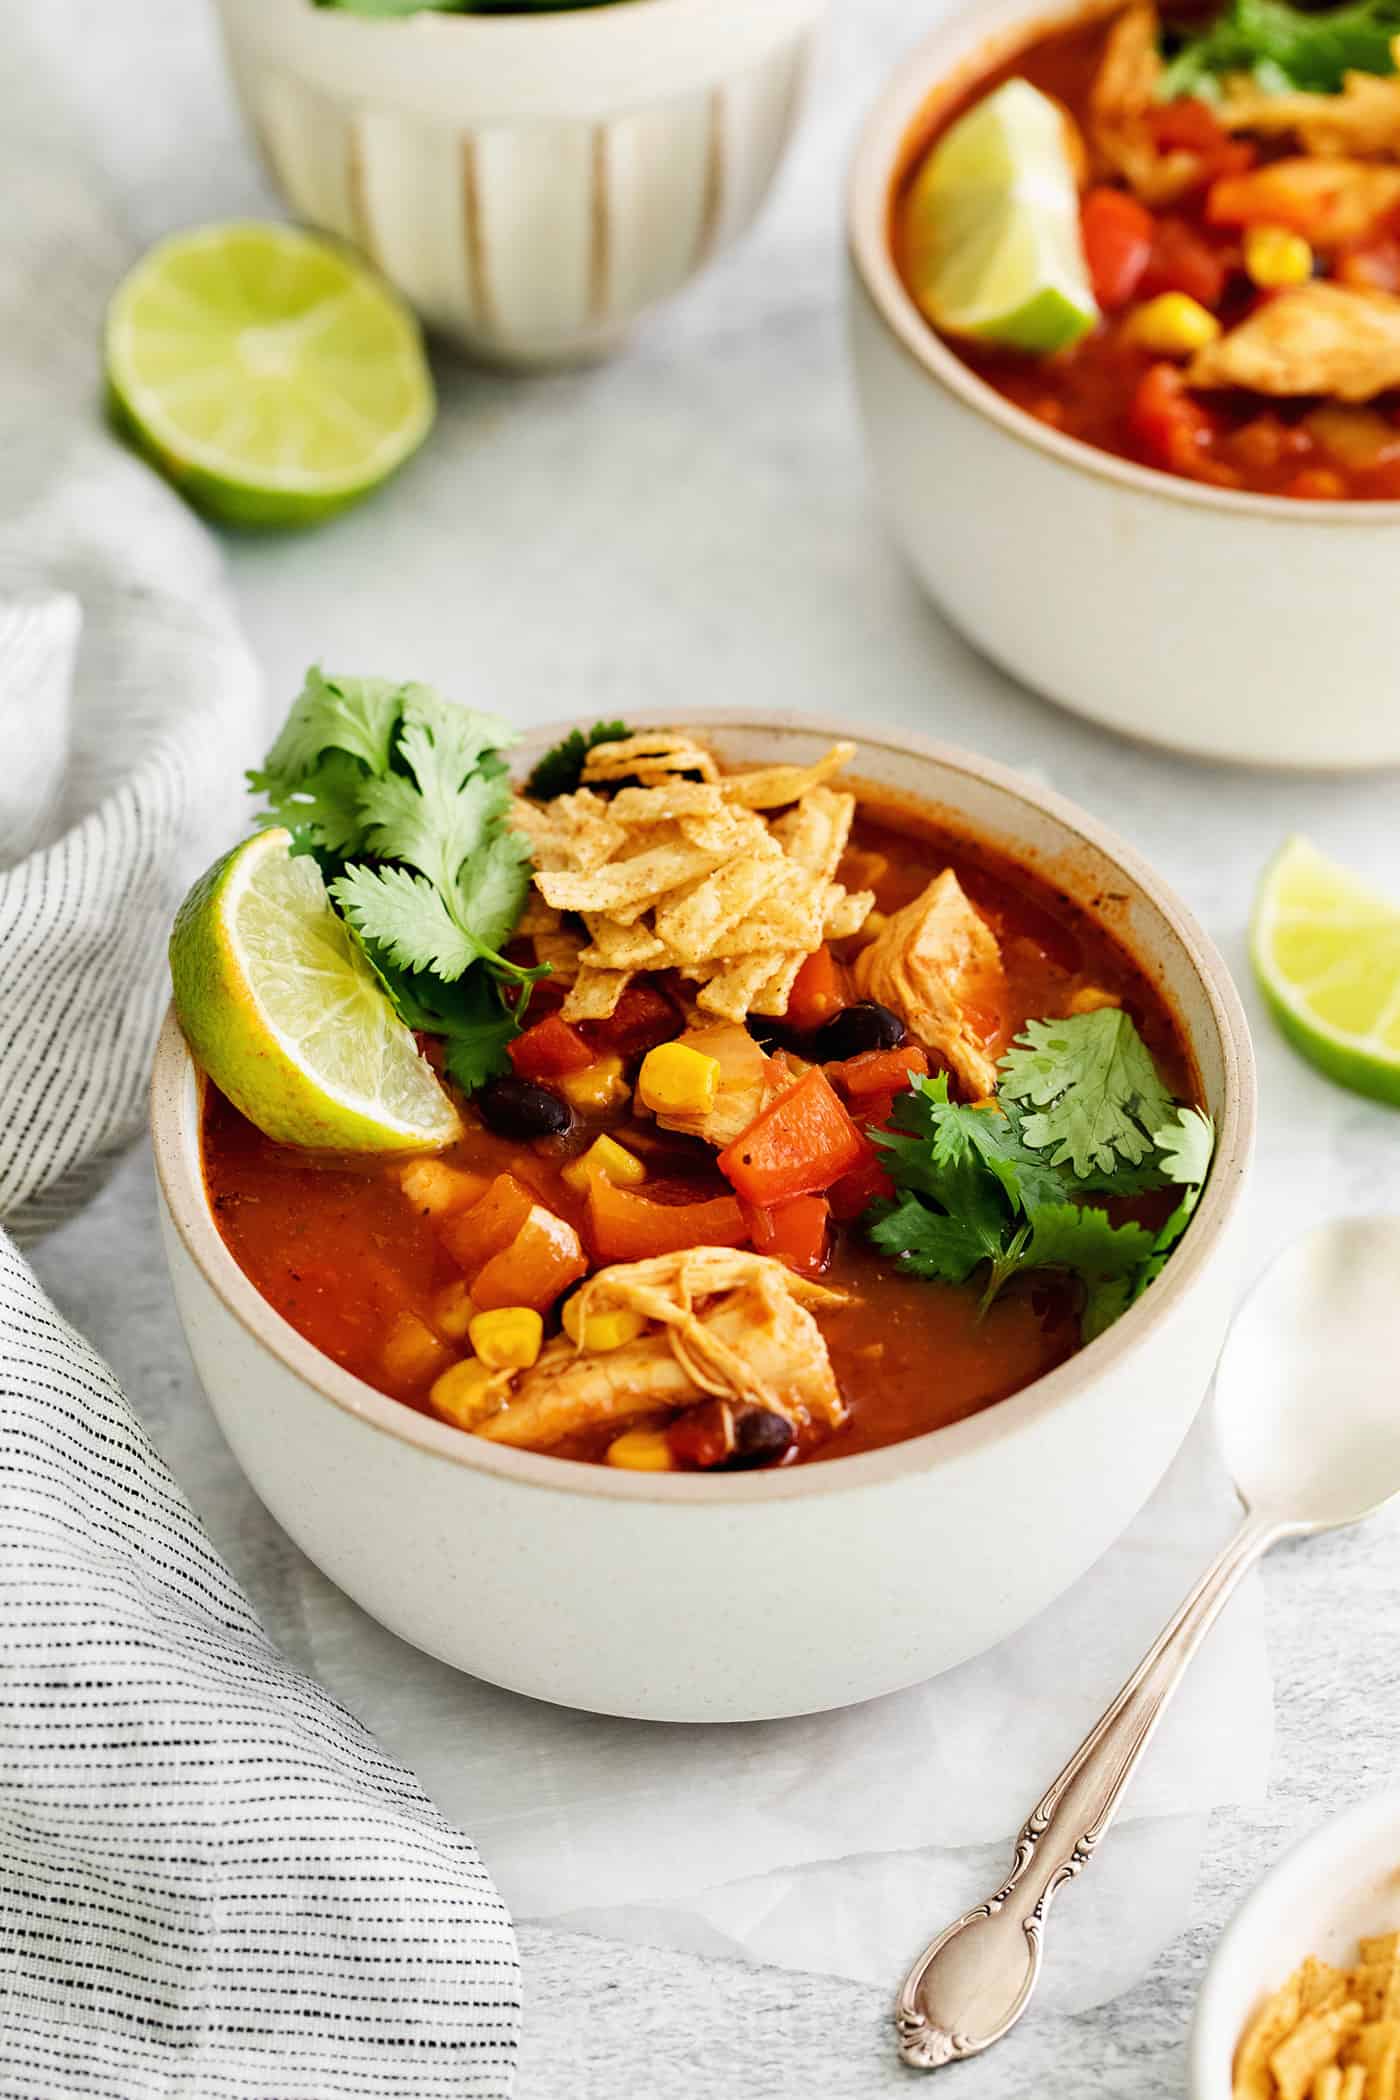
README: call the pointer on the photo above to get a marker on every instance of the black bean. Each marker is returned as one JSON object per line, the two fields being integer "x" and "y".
{"x": 769, "y": 1033}
{"x": 761, "y": 1438}
{"x": 855, "y": 1029}
{"x": 517, "y": 1108}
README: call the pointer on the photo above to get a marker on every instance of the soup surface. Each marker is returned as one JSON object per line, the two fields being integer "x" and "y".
{"x": 357, "y": 1262}
{"x": 1242, "y": 240}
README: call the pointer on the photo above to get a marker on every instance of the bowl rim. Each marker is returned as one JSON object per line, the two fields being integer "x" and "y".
{"x": 181, "y": 1181}
{"x": 430, "y": 27}
{"x": 1208, "y": 2073}
{"x": 959, "y": 45}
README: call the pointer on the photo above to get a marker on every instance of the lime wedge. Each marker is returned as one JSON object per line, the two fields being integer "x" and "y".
{"x": 287, "y": 1017}
{"x": 1326, "y": 949}
{"x": 270, "y": 375}
{"x": 991, "y": 227}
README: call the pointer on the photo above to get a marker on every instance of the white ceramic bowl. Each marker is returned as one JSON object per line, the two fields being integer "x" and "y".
{"x": 685, "y": 1598}
{"x": 1343, "y": 1880}
{"x": 531, "y": 183}
{"x": 1256, "y": 629}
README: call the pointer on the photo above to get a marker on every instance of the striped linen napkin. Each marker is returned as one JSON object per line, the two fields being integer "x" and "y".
{"x": 212, "y": 1880}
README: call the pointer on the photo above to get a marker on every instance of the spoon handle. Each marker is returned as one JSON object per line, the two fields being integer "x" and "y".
{"x": 971, "y": 1985}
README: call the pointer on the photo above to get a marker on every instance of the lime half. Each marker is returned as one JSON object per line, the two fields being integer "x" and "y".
{"x": 288, "y": 1018}
{"x": 270, "y": 375}
{"x": 1326, "y": 949}
{"x": 992, "y": 245}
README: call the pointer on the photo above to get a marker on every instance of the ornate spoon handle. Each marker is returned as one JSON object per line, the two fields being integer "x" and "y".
{"x": 972, "y": 1984}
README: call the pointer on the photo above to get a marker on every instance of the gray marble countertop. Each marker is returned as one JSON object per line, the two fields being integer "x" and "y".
{"x": 692, "y": 525}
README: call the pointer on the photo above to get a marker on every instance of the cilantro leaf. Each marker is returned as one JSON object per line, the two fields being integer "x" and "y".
{"x": 1081, "y": 1237}
{"x": 1096, "y": 1093}
{"x": 356, "y": 715}
{"x": 1185, "y": 1145}
{"x": 561, "y": 769}
{"x": 929, "y": 1243}
{"x": 321, "y": 808}
{"x": 470, "y": 1016}
{"x": 403, "y": 914}
{"x": 1284, "y": 47}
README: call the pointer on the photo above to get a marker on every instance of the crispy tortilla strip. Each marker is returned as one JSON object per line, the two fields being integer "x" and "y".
{"x": 1321, "y": 1986}
{"x": 634, "y": 806}
{"x": 638, "y": 881}
{"x": 1124, "y": 91}
{"x": 1328, "y": 2083}
{"x": 770, "y": 787}
{"x": 653, "y": 755}
{"x": 1383, "y": 1947}
{"x": 1319, "y": 338}
{"x": 615, "y": 947}
{"x": 1363, "y": 120}
{"x": 936, "y": 963}
{"x": 692, "y": 923}
{"x": 1377, "y": 1985}
{"x": 1376, "y": 2051}
{"x": 1272, "y": 2024}
{"x": 594, "y": 994}
{"x": 846, "y": 911}
{"x": 815, "y": 833}
{"x": 572, "y": 831}
{"x": 1318, "y": 2039}
{"x": 1353, "y": 2085}
{"x": 730, "y": 991}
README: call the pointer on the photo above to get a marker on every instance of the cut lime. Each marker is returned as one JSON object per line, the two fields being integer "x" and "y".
{"x": 270, "y": 375}
{"x": 992, "y": 243}
{"x": 288, "y": 1019}
{"x": 1326, "y": 949}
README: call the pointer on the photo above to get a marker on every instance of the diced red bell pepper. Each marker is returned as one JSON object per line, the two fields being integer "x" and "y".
{"x": 542, "y": 1260}
{"x": 624, "y": 1225}
{"x": 793, "y": 1232}
{"x": 1182, "y": 260}
{"x": 549, "y": 1049}
{"x": 704, "y": 1435}
{"x": 1117, "y": 234}
{"x": 856, "y": 1191}
{"x": 797, "y": 1146}
{"x": 1173, "y": 428}
{"x": 474, "y": 1235}
{"x": 879, "y": 1072}
{"x": 642, "y": 1018}
{"x": 818, "y": 992}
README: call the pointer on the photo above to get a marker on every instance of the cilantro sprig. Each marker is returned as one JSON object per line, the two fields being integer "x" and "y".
{"x": 405, "y": 802}
{"x": 996, "y": 1192}
{"x": 1284, "y": 48}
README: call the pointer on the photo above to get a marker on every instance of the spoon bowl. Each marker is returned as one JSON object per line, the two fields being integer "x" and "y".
{"x": 1306, "y": 1392}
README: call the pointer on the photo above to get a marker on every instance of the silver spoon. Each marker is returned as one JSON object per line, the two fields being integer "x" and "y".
{"x": 1308, "y": 1414}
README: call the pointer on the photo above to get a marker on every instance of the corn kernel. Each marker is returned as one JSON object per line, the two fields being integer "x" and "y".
{"x": 601, "y": 1331}
{"x": 412, "y": 1352}
{"x": 453, "y": 1311}
{"x": 642, "y": 1451}
{"x": 460, "y": 1395}
{"x": 1172, "y": 325}
{"x": 509, "y": 1338}
{"x": 599, "y": 1085}
{"x": 430, "y": 1185}
{"x": 678, "y": 1081}
{"x": 1275, "y": 257}
{"x": 1091, "y": 998}
{"x": 606, "y": 1157}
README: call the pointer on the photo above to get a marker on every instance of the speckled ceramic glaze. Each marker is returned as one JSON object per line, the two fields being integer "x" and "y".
{"x": 532, "y": 183}
{"x": 1258, "y": 629}
{"x": 677, "y": 1597}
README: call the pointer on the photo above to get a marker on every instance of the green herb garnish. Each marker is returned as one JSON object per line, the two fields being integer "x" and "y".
{"x": 561, "y": 769}
{"x": 1004, "y": 1191}
{"x": 405, "y": 802}
{"x": 1284, "y": 48}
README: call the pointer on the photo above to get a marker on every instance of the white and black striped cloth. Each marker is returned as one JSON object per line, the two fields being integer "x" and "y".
{"x": 212, "y": 1881}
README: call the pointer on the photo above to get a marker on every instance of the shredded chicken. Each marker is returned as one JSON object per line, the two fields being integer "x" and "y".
{"x": 1124, "y": 91}
{"x": 722, "y": 1323}
{"x": 1364, "y": 119}
{"x": 1330, "y": 202}
{"x": 743, "y": 1089}
{"x": 937, "y": 964}
{"x": 1319, "y": 338}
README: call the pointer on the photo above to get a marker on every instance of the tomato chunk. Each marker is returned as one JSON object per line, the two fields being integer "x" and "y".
{"x": 1117, "y": 234}
{"x": 856, "y": 1191}
{"x": 543, "y": 1259}
{"x": 549, "y": 1049}
{"x": 1183, "y": 261}
{"x": 880, "y": 1072}
{"x": 626, "y": 1226}
{"x": 1173, "y": 428}
{"x": 818, "y": 992}
{"x": 797, "y": 1146}
{"x": 642, "y": 1018}
{"x": 793, "y": 1232}
{"x": 473, "y": 1236}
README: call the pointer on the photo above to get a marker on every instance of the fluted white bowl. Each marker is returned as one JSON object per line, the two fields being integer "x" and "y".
{"x": 683, "y": 1597}
{"x": 531, "y": 183}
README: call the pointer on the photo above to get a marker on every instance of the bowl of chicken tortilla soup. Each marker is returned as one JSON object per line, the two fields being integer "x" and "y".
{"x": 1126, "y": 317}
{"x": 793, "y": 1234}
